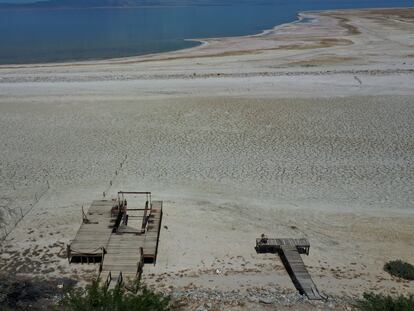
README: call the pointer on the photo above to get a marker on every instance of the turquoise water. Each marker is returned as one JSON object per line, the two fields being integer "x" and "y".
{"x": 32, "y": 36}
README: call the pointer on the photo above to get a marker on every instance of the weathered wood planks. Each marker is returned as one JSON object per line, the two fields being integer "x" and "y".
{"x": 123, "y": 247}
{"x": 298, "y": 272}
{"x": 271, "y": 245}
{"x": 289, "y": 250}
{"x": 94, "y": 232}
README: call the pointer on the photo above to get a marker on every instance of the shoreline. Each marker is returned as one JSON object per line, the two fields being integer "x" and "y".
{"x": 203, "y": 42}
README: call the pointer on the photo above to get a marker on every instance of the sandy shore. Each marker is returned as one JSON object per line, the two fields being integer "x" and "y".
{"x": 303, "y": 130}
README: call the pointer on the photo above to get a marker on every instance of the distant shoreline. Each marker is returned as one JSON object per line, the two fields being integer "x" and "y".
{"x": 202, "y": 42}
{"x": 92, "y": 8}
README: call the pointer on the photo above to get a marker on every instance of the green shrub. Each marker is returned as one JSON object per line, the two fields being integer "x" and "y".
{"x": 400, "y": 268}
{"x": 373, "y": 302}
{"x": 96, "y": 297}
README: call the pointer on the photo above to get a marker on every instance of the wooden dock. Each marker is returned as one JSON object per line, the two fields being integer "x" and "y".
{"x": 289, "y": 251}
{"x": 121, "y": 238}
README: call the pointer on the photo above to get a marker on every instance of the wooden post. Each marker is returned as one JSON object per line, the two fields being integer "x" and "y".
{"x": 68, "y": 252}
{"x": 144, "y": 219}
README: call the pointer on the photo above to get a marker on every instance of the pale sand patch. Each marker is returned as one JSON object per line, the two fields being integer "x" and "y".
{"x": 235, "y": 146}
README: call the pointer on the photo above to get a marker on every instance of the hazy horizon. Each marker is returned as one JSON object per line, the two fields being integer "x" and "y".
{"x": 18, "y": 1}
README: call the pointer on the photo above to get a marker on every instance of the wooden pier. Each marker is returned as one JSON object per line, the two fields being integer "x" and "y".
{"x": 121, "y": 238}
{"x": 289, "y": 251}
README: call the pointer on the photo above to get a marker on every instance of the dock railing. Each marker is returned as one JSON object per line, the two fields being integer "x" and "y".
{"x": 140, "y": 264}
{"x": 108, "y": 280}
{"x": 120, "y": 279}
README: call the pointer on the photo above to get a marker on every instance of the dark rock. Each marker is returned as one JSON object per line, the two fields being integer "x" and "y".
{"x": 28, "y": 294}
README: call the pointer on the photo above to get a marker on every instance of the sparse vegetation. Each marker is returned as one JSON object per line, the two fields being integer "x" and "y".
{"x": 378, "y": 302}
{"x": 96, "y": 297}
{"x": 400, "y": 269}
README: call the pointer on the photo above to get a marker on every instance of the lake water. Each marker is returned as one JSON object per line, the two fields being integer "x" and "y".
{"x": 32, "y": 36}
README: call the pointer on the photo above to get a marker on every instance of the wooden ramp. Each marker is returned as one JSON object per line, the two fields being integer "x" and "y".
{"x": 298, "y": 273}
{"x": 124, "y": 258}
{"x": 289, "y": 251}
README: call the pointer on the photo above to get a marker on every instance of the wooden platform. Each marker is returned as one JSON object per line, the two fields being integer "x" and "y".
{"x": 121, "y": 244}
{"x": 94, "y": 232}
{"x": 275, "y": 245}
{"x": 289, "y": 251}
